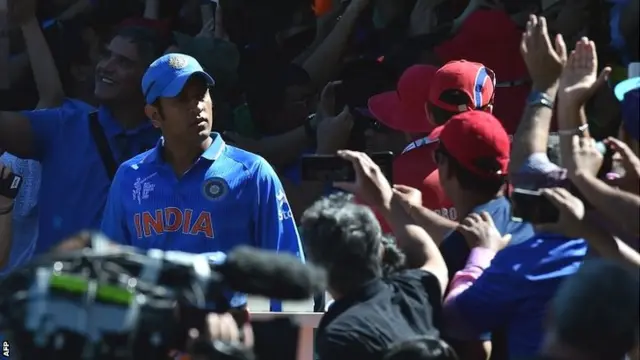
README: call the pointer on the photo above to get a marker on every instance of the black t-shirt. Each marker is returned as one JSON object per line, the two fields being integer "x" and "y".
{"x": 364, "y": 324}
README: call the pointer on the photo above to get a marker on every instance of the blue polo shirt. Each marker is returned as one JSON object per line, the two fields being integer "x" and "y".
{"x": 75, "y": 184}
{"x": 229, "y": 197}
{"x": 454, "y": 247}
{"x": 512, "y": 294}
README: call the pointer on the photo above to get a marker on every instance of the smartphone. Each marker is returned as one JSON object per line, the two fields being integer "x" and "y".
{"x": 533, "y": 207}
{"x": 10, "y": 186}
{"x": 330, "y": 168}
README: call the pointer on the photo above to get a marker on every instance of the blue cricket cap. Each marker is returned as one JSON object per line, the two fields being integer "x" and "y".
{"x": 167, "y": 75}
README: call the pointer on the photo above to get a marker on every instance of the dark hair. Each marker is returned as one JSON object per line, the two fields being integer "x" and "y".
{"x": 421, "y": 348}
{"x": 471, "y": 181}
{"x": 453, "y": 97}
{"x": 596, "y": 309}
{"x": 344, "y": 238}
{"x": 393, "y": 260}
{"x": 149, "y": 43}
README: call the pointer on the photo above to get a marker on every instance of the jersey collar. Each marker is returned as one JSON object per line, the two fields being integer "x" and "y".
{"x": 212, "y": 153}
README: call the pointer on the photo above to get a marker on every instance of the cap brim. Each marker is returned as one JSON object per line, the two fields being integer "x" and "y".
{"x": 175, "y": 87}
{"x": 383, "y": 106}
{"x": 387, "y": 109}
{"x": 625, "y": 86}
{"x": 435, "y": 133}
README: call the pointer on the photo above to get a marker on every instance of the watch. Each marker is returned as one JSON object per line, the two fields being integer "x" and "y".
{"x": 538, "y": 98}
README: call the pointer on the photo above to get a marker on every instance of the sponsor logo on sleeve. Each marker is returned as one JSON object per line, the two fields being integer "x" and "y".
{"x": 284, "y": 210}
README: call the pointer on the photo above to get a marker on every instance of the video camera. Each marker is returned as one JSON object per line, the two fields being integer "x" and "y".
{"x": 113, "y": 302}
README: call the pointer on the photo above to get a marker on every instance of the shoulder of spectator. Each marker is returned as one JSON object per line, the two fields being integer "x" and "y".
{"x": 337, "y": 345}
{"x": 422, "y": 280}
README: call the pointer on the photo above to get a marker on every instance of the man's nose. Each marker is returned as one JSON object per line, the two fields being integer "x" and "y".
{"x": 106, "y": 66}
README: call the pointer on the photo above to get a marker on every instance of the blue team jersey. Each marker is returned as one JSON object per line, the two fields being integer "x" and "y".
{"x": 229, "y": 197}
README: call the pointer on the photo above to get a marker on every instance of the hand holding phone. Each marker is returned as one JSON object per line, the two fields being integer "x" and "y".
{"x": 571, "y": 214}
{"x": 533, "y": 207}
{"x": 334, "y": 168}
{"x": 358, "y": 174}
{"x": 10, "y": 183}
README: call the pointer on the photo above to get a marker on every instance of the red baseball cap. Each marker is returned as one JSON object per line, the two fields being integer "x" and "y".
{"x": 478, "y": 142}
{"x": 473, "y": 79}
{"x": 404, "y": 109}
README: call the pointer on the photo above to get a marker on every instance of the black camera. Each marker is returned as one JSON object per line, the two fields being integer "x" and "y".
{"x": 118, "y": 303}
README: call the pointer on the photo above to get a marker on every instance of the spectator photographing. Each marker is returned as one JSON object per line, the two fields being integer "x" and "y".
{"x": 365, "y": 303}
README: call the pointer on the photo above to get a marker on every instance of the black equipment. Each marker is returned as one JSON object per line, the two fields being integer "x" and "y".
{"x": 113, "y": 302}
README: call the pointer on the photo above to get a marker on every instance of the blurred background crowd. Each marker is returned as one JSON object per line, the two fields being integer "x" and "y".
{"x": 508, "y": 225}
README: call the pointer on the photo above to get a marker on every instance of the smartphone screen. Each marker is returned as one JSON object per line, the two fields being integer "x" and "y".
{"x": 531, "y": 206}
{"x": 330, "y": 168}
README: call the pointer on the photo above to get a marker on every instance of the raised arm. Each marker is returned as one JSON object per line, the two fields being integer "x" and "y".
{"x": 322, "y": 63}
{"x": 45, "y": 73}
{"x": 545, "y": 61}
{"x": 373, "y": 188}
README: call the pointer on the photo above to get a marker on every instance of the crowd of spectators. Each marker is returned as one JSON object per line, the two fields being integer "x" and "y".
{"x": 508, "y": 228}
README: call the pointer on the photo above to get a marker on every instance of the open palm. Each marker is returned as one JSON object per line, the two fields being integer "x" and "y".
{"x": 579, "y": 79}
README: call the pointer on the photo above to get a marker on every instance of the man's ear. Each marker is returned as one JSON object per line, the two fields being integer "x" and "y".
{"x": 153, "y": 114}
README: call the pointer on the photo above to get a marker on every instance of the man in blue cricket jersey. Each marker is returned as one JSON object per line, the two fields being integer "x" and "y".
{"x": 193, "y": 192}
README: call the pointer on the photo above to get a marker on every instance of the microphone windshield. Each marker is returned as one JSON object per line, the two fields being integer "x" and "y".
{"x": 270, "y": 274}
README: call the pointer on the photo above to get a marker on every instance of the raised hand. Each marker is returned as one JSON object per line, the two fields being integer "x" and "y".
{"x": 585, "y": 157}
{"x": 544, "y": 60}
{"x": 370, "y": 186}
{"x": 479, "y": 230}
{"x": 580, "y": 79}
{"x": 572, "y": 212}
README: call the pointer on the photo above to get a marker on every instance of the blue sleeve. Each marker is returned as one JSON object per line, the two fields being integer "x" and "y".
{"x": 487, "y": 304}
{"x": 46, "y": 125}
{"x": 114, "y": 224}
{"x": 275, "y": 226}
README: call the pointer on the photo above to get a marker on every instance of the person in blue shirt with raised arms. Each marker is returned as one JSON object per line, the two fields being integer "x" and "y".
{"x": 75, "y": 180}
{"x": 193, "y": 192}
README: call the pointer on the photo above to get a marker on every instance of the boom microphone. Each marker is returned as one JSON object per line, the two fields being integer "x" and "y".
{"x": 270, "y": 274}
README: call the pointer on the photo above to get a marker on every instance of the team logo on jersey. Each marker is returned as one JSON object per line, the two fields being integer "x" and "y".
{"x": 142, "y": 188}
{"x": 215, "y": 188}
{"x": 177, "y": 62}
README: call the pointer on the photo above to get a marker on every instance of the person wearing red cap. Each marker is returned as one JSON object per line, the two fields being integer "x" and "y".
{"x": 405, "y": 110}
{"x": 495, "y": 288}
{"x": 460, "y": 86}
{"x": 491, "y": 37}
